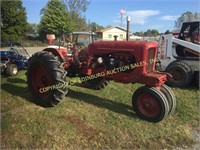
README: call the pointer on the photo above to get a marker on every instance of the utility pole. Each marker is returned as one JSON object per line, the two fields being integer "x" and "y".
{"x": 128, "y": 19}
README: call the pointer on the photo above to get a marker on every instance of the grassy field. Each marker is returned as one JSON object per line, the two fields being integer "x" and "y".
{"x": 92, "y": 119}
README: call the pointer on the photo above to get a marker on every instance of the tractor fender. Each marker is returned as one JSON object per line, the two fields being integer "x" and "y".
{"x": 60, "y": 52}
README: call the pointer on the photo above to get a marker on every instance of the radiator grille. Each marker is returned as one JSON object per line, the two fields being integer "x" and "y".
{"x": 150, "y": 59}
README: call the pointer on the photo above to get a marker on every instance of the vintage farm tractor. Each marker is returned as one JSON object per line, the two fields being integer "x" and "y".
{"x": 121, "y": 61}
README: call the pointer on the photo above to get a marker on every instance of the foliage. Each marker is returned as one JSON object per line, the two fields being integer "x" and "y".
{"x": 167, "y": 32}
{"x": 186, "y": 17}
{"x": 76, "y": 7}
{"x": 139, "y": 34}
{"x": 151, "y": 33}
{"x": 148, "y": 33}
{"x": 32, "y": 28}
{"x": 55, "y": 19}
{"x": 80, "y": 24}
{"x": 95, "y": 27}
{"x": 13, "y": 20}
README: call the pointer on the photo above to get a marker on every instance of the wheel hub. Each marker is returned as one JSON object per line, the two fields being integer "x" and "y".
{"x": 178, "y": 75}
{"x": 148, "y": 105}
{"x": 44, "y": 80}
{"x": 14, "y": 70}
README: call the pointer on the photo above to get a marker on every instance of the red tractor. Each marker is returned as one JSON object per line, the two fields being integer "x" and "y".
{"x": 121, "y": 61}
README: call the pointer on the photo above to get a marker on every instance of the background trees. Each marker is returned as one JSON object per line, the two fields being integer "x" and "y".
{"x": 148, "y": 33}
{"x": 13, "y": 20}
{"x": 76, "y": 7}
{"x": 55, "y": 19}
{"x": 186, "y": 17}
{"x": 59, "y": 17}
{"x": 95, "y": 27}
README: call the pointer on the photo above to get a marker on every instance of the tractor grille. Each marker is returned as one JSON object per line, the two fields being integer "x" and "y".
{"x": 150, "y": 58}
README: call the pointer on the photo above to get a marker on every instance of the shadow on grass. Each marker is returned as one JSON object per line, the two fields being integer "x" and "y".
{"x": 19, "y": 91}
{"x": 116, "y": 107}
{"x": 16, "y": 80}
{"x": 24, "y": 93}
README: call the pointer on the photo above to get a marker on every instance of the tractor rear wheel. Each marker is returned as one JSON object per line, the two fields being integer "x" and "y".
{"x": 11, "y": 70}
{"x": 46, "y": 79}
{"x": 181, "y": 74}
{"x": 150, "y": 104}
{"x": 170, "y": 97}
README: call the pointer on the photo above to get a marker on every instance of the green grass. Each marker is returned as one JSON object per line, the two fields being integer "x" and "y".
{"x": 91, "y": 119}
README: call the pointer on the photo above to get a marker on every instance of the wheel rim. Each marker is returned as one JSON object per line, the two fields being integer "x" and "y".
{"x": 148, "y": 105}
{"x": 40, "y": 78}
{"x": 14, "y": 70}
{"x": 178, "y": 75}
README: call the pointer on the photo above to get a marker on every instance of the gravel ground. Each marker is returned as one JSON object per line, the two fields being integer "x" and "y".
{"x": 196, "y": 138}
{"x": 32, "y": 50}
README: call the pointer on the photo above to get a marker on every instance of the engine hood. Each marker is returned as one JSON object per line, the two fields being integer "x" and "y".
{"x": 103, "y": 47}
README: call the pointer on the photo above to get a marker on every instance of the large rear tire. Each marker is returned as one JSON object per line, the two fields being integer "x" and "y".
{"x": 150, "y": 104}
{"x": 181, "y": 74}
{"x": 46, "y": 79}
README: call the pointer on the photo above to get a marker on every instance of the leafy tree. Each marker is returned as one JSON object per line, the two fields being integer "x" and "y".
{"x": 167, "y": 32}
{"x": 13, "y": 20}
{"x": 32, "y": 28}
{"x": 95, "y": 27}
{"x": 154, "y": 32}
{"x": 186, "y": 17}
{"x": 55, "y": 19}
{"x": 138, "y": 33}
{"x": 151, "y": 33}
{"x": 76, "y": 7}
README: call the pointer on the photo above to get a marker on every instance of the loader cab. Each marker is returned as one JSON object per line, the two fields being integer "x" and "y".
{"x": 190, "y": 32}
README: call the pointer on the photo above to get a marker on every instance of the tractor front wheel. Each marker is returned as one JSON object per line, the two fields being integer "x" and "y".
{"x": 46, "y": 79}
{"x": 11, "y": 70}
{"x": 150, "y": 104}
{"x": 169, "y": 94}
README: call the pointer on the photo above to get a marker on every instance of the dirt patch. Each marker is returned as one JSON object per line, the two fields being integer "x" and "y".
{"x": 82, "y": 126}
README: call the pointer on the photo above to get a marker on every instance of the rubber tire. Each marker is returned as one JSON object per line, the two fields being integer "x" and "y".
{"x": 171, "y": 99}
{"x": 10, "y": 69}
{"x": 98, "y": 84}
{"x": 159, "y": 97}
{"x": 197, "y": 79}
{"x": 56, "y": 73}
{"x": 184, "y": 69}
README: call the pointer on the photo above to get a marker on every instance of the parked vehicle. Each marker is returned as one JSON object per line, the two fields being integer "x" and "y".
{"x": 180, "y": 56}
{"x": 14, "y": 57}
{"x": 100, "y": 62}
